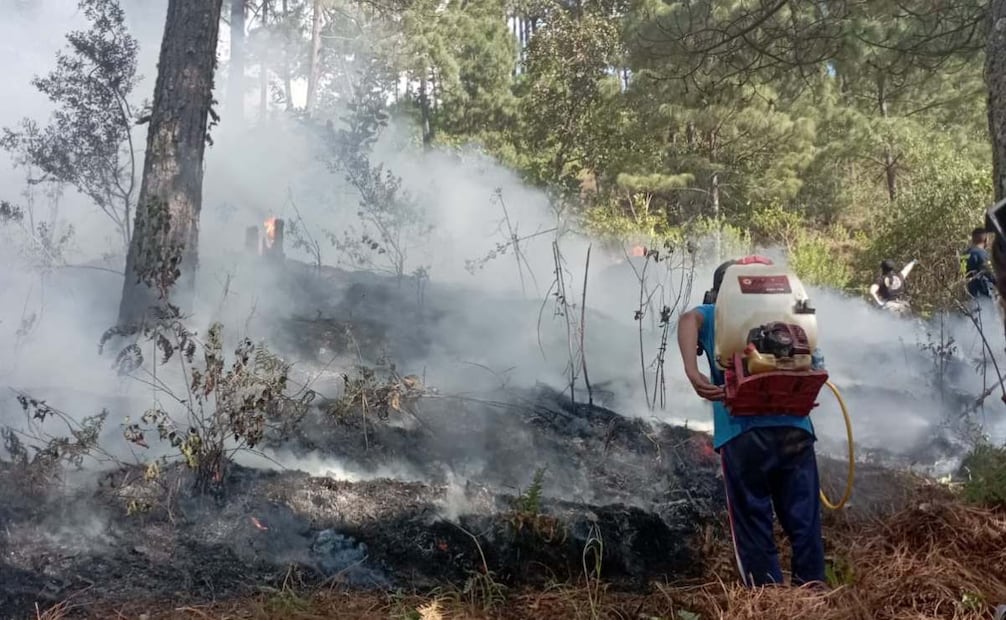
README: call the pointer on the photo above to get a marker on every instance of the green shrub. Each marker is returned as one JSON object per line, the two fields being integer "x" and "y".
{"x": 629, "y": 217}
{"x": 816, "y": 258}
{"x": 776, "y": 225}
{"x": 985, "y": 469}
{"x": 734, "y": 241}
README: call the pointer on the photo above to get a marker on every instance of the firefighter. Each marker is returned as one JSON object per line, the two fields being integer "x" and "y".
{"x": 769, "y": 465}
{"x": 889, "y": 290}
{"x": 978, "y": 266}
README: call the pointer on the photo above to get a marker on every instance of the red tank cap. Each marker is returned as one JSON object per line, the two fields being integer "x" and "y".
{"x": 755, "y": 259}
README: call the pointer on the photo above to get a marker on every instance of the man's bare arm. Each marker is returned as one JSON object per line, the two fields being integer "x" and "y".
{"x": 689, "y": 325}
{"x": 875, "y": 293}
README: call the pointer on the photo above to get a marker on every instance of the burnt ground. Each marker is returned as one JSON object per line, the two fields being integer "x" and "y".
{"x": 663, "y": 505}
{"x": 437, "y": 495}
{"x": 384, "y": 533}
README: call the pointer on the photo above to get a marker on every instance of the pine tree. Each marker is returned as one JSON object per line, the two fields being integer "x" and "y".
{"x": 164, "y": 248}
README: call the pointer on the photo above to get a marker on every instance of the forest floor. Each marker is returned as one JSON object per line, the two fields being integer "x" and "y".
{"x": 935, "y": 559}
{"x": 505, "y": 503}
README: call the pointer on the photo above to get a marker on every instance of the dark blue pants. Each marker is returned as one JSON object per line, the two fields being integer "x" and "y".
{"x": 766, "y": 468}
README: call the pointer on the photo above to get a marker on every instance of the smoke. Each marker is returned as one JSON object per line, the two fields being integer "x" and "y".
{"x": 482, "y": 320}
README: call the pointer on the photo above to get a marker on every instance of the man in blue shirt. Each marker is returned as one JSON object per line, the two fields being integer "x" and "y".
{"x": 978, "y": 267}
{"x": 768, "y": 463}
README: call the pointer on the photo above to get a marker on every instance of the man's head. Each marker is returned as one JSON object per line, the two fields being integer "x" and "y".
{"x": 978, "y": 237}
{"x": 710, "y": 297}
{"x": 887, "y": 266}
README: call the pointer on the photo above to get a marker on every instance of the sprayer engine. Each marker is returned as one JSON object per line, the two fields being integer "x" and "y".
{"x": 775, "y": 374}
{"x": 780, "y": 340}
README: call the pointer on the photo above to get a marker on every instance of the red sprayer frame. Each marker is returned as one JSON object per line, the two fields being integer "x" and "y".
{"x": 791, "y": 392}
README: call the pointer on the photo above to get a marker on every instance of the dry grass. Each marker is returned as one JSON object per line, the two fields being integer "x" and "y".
{"x": 937, "y": 560}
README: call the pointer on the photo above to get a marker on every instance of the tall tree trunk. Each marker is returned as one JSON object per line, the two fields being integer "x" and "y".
{"x": 424, "y": 105}
{"x": 236, "y": 73}
{"x": 263, "y": 98}
{"x": 314, "y": 73}
{"x": 995, "y": 76}
{"x": 890, "y": 168}
{"x": 163, "y": 254}
{"x": 714, "y": 193}
{"x": 287, "y": 78}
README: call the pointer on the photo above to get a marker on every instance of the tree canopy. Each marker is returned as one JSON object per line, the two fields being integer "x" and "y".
{"x": 813, "y": 124}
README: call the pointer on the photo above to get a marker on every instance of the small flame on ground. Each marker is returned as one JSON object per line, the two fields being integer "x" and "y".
{"x": 258, "y": 524}
{"x": 638, "y": 251}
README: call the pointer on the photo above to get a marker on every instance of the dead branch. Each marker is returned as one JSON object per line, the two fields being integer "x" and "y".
{"x": 301, "y": 236}
{"x": 583, "y": 328}
{"x": 562, "y": 308}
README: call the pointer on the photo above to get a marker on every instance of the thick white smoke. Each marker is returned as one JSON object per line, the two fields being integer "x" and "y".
{"x": 493, "y": 320}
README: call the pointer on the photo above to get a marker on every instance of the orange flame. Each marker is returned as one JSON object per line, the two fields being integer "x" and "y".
{"x": 270, "y": 231}
{"x": 638, "y": 251}
{"x": 258, "y": 524}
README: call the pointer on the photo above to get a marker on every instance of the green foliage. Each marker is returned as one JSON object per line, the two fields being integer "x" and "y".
{"x": 737, "y": 123}
{"x": 731, "y": 239}
{"x": 985, "y": 468}
{"x": 465, "y": 54}
{"x": 635, "y": 215}
{"x": 838, "y": 572}
{"x": 775, "y": 225}
{"x": 529, "y": 501}
{"x": 567, "y": 100}
{"x": 813, "y": 257}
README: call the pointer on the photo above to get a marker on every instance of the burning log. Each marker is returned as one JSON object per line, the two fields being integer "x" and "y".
{"x": 272, "y": 241}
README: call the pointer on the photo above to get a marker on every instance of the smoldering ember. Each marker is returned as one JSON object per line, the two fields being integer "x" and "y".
{"x": 356, "y": 309}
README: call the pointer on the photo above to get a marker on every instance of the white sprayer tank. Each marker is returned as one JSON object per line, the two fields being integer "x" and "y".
{"x": 752, "y": 295}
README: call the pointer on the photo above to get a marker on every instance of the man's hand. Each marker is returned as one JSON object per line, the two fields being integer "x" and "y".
{"x": 705, "y": 388}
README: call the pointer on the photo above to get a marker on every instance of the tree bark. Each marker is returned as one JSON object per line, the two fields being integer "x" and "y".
{"x": 995, "y": 77}
{"x": 424, "y": 105}
{"x": 314, "y": 73}
{"x": 287, "y": 78}
{"x": 236, "y": 73}
{"x": 889, "y": 164}
{"x": 263, "y": 100}
{"x": 714, "y": 196}
{"x": 714, "y": 193}
{"x": 163, "y": 253}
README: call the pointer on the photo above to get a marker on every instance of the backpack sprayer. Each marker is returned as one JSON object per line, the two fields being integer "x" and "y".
{"x": 766, "y": 337}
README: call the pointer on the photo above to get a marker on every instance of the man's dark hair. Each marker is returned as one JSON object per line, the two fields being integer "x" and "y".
{"x": 888, "y": 266}
{"x": 978, "y": 235}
